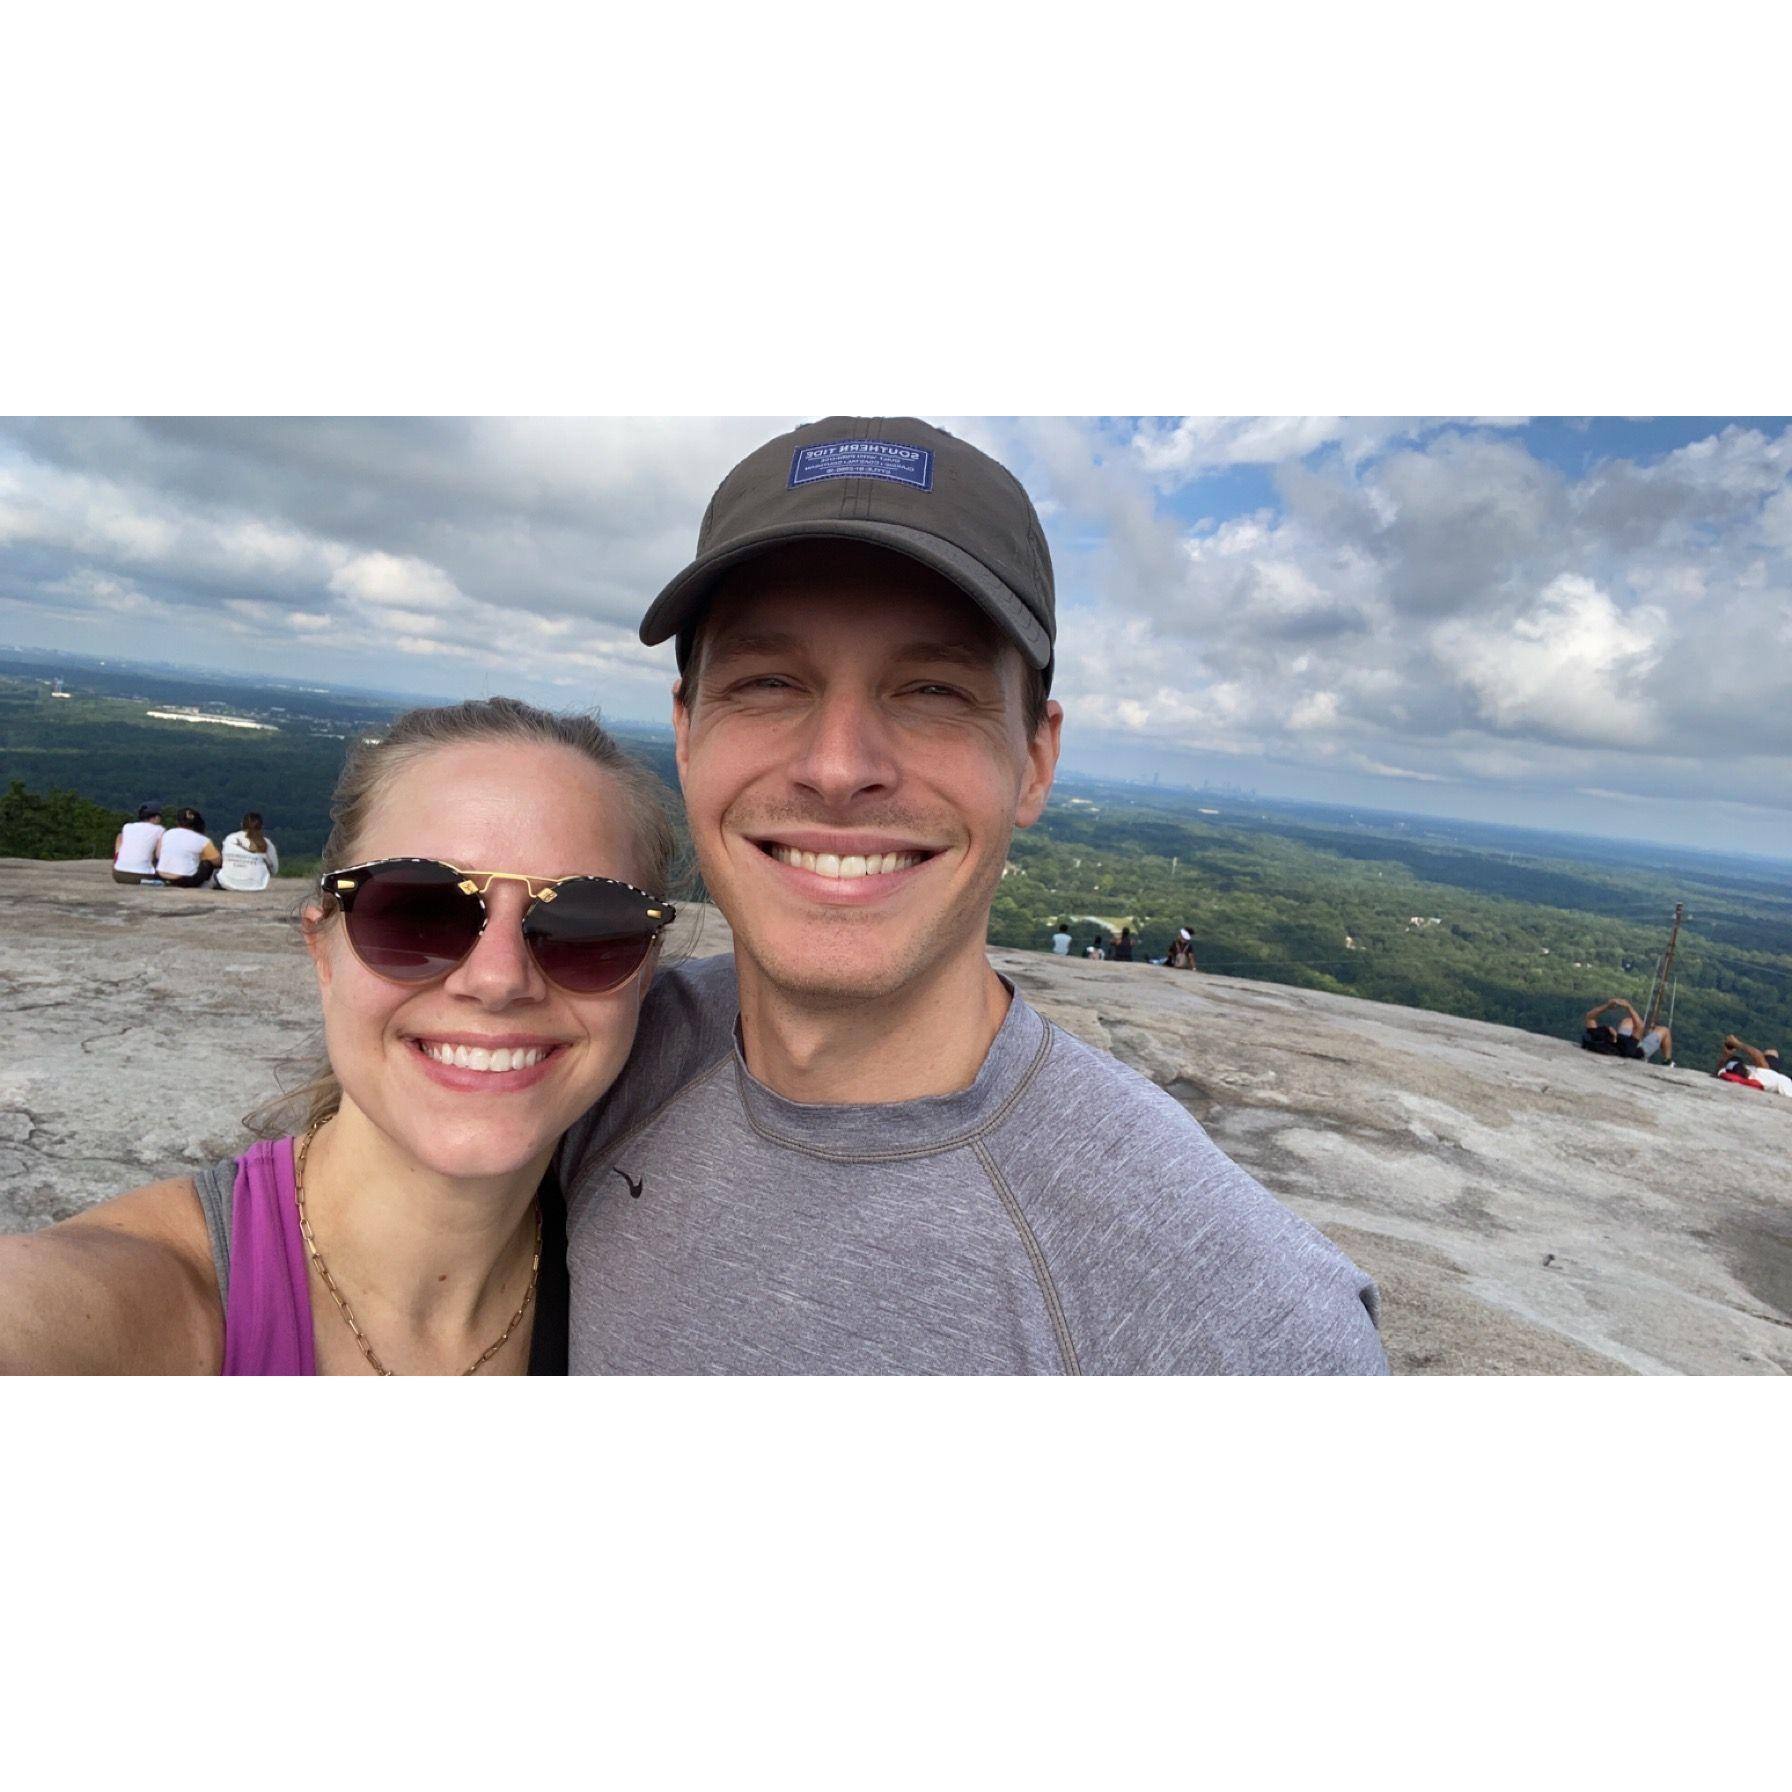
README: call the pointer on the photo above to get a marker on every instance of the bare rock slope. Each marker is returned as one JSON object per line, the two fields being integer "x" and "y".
{"x": 1525, "y": 1207}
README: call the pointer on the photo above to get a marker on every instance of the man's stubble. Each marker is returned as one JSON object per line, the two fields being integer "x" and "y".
{"x": 845, "y": 957}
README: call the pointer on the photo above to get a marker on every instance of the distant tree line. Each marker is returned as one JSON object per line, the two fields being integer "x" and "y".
{"x": 60, "y": 825}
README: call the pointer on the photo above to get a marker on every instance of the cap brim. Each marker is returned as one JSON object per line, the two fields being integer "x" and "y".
{"x": 682, "y": 601}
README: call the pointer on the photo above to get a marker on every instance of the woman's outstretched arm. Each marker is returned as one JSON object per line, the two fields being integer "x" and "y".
{"x": 126, "y": 1288}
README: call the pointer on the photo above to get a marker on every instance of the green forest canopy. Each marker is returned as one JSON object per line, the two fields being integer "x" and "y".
{"x": 1489, "y": 936}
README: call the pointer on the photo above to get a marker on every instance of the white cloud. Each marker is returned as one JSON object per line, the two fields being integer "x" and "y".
{"x": 252, "y": 610}
{"x": 1472, "y": 608}
{"x": 420, "y": 646}
{"x": 1379, "y": 768}
{"x": 395, "y": 581}
{"x": 1194, "y": 445}
{"x": 1320, "y": 710}
{"x": 256, "y": 545}
{"x": 1421, "y": 602}
{"x": 86, "y": 588}
{"x": 1570, "y": 666}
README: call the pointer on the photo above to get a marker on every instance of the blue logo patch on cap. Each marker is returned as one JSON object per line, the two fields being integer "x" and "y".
{"x": 863, "y": 460}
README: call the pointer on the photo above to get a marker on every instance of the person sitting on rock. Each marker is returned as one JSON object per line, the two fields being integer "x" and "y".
{"x": 1627, "y": 1039}
{"x": 249, "y": 857}
{"x": 1182, "y": 951}
{"x": 134, "y": 851}
{"x": 1123, "y": 947}
{"x": 1740, "y": 1062}
{"x": 185, "y": 856}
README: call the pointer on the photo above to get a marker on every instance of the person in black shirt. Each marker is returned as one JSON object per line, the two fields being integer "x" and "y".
{"x": 1627, "y": 1039}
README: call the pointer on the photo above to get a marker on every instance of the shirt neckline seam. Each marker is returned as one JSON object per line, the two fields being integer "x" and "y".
{"x": 957, "y": 1142}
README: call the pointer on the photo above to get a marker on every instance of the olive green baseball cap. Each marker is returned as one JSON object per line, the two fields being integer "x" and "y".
{"x": 898, "y": 483}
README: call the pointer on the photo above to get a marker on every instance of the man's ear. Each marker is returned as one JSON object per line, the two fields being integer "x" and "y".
{"x": 681, "y": 729}
{"x": 1042, "y": 766}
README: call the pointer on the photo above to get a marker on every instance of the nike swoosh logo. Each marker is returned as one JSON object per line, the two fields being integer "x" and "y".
{"x": 634, "y": 1187}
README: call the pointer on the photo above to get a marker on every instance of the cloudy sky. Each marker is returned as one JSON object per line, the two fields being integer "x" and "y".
{"x": 1564, "y": 623}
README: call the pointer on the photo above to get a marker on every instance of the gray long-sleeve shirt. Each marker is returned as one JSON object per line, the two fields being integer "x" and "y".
{"x": 1062, "y": 1215}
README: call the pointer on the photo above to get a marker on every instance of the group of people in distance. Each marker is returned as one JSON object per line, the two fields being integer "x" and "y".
{"x": 185, "y": 857}
{"x": 849, "y": 1147}
{"x": 1100, "y": 947}
{"x": 1629, "y": 1037}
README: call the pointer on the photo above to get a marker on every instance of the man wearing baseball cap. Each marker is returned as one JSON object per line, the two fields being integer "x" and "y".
{"x": 853, "y": 1148}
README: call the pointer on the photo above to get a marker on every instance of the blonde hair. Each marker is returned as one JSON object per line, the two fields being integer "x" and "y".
{"x": 368, "y": 772}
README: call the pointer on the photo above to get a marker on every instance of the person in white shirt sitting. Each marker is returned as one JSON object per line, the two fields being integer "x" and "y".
{"x": 249, "y": 857}
{"x": 134, "y": 851}
{"x": 186, "y": 856}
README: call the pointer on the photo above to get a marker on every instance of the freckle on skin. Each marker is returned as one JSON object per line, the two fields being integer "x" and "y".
{"x": 441, "y": 1278}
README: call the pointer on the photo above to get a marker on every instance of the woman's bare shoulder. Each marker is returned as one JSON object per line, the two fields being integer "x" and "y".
{"x": 125, "y": 1287}
{"x": 165, "y": 1213}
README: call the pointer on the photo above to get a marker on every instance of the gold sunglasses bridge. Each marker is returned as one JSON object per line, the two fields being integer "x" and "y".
{"x": 546, "y": 893}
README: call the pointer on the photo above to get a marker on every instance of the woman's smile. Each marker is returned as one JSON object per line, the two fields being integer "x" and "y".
{"x": 490, "y": 1064}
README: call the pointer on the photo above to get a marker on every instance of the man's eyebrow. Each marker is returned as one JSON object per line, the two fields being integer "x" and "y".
{"x": 780, "y": 641}
{"x": 744, "y": 646}
{"x": 958, "y": 653}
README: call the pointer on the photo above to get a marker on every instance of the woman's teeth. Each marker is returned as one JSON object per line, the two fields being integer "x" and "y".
{"x": 476, "y": 1057}
{"x": 828, "y": 864}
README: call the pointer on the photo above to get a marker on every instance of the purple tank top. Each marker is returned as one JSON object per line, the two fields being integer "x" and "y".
{"x": 267, "y": 1325}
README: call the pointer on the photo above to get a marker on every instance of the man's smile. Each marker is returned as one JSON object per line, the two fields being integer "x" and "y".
{"x": 842, "y": 853}
{"x": 838, "y": 866}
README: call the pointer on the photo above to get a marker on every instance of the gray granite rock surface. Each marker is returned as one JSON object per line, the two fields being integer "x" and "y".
{"x": 1527, "y": 1208}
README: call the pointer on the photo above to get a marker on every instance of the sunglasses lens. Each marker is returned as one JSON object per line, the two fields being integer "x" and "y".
{"x": 591, "y": 937}
{"x": 412, "y": 923}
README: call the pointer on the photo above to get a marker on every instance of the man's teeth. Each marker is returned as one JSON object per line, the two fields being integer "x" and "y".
{"x": 828, "y": 864}
{"x": 476, "y": 1057}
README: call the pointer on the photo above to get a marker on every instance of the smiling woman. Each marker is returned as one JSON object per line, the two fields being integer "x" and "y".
{"x": 483, "y": 933}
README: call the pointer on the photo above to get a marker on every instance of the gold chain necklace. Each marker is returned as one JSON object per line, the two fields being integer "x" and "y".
{"x": 347, "y": 1312}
